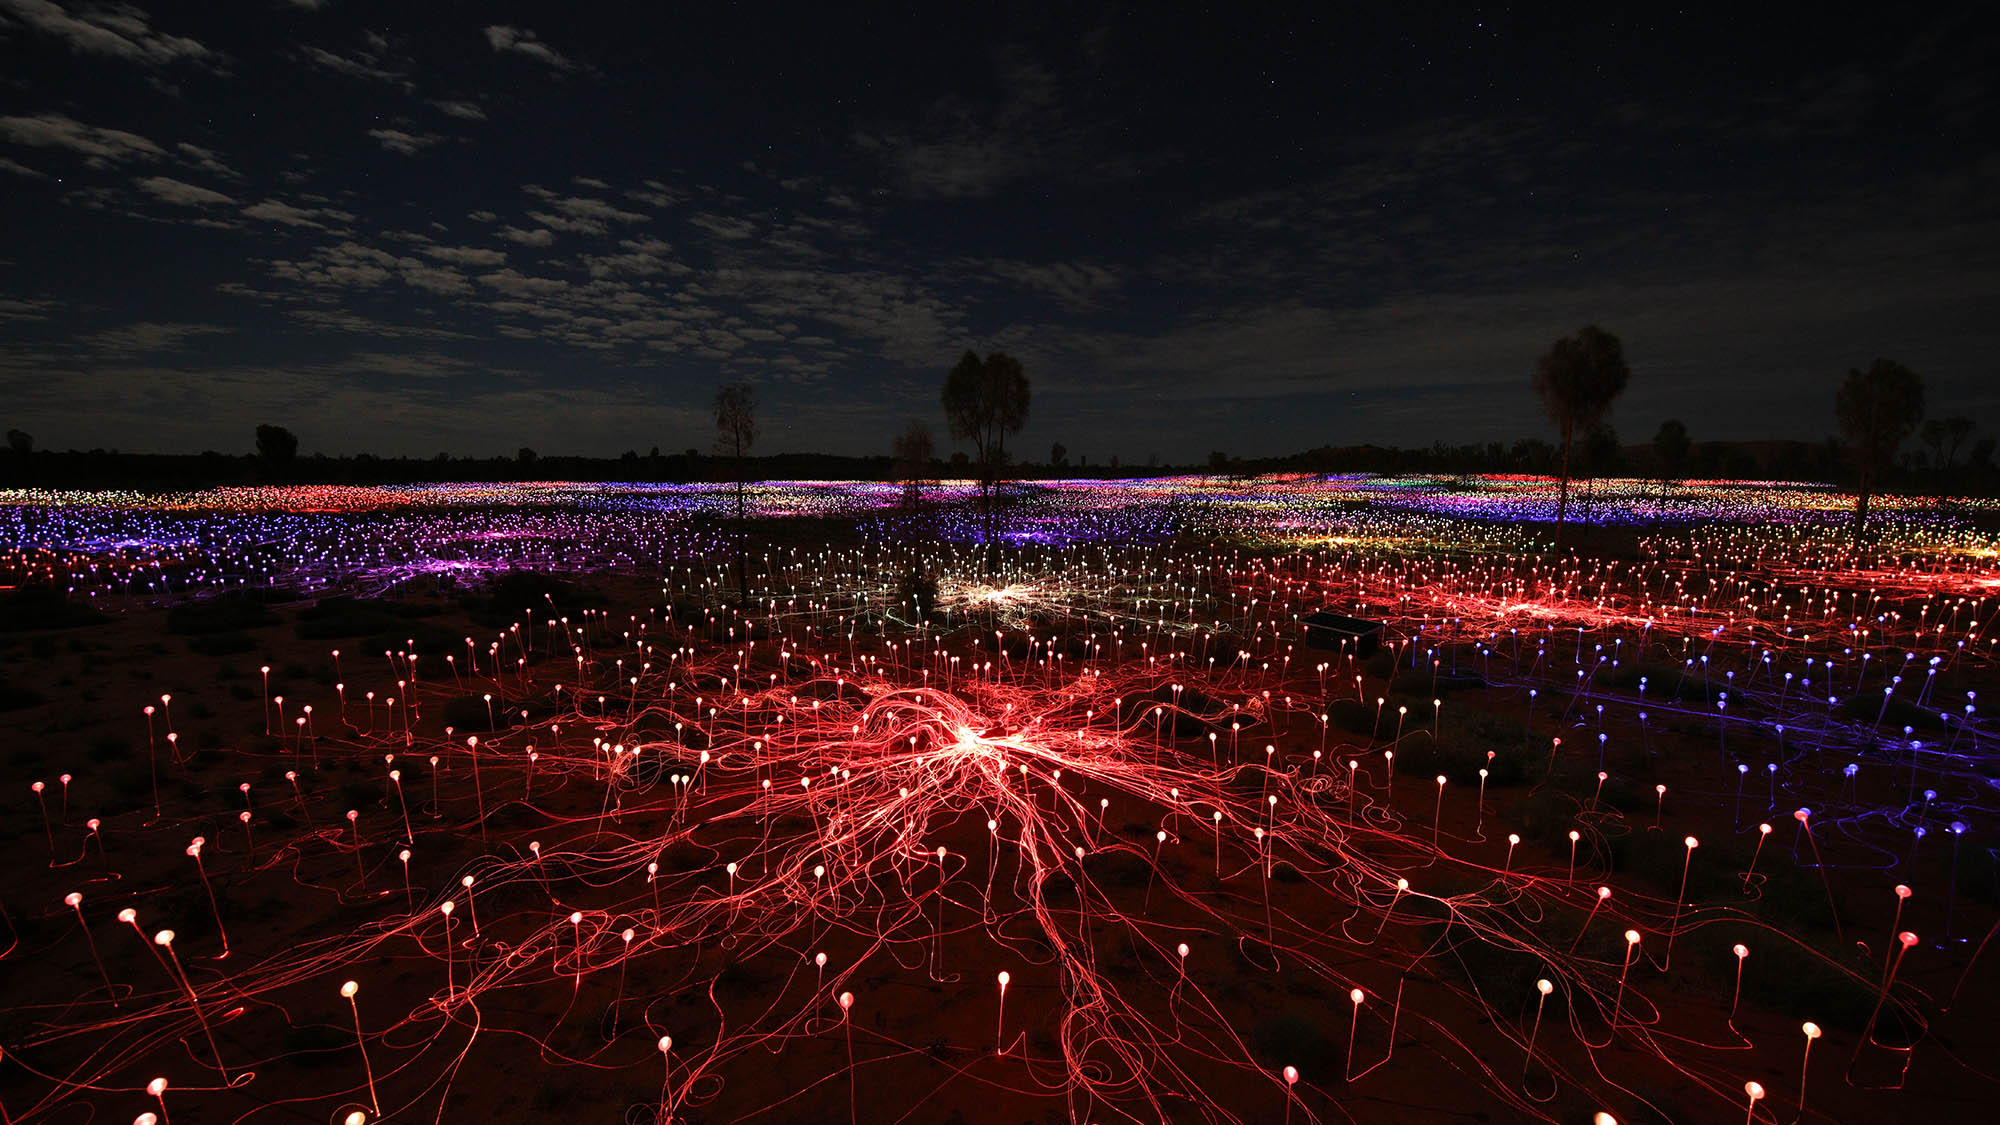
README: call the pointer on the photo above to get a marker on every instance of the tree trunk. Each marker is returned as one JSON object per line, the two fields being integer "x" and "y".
{"x": 1861, "y": 514}
{"x": 992, "y": 548}
{"x": 742, "y": 541}
{"x": 992, "y": 475}
{"x": 1562, "y": 504}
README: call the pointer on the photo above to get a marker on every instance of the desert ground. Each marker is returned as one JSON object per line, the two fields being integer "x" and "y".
{"x": 613, "y": 807}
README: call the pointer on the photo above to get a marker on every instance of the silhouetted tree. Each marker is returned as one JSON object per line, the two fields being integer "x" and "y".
{"x": 1218, "y": 462}
{"x": 1603, "y": 454}
{"x": 1058, "y": 456}
{"x": 526, "y": 456}
{"x": 1670, "y": 449}
{"x": 986, "y": 400}
{"x": 1577, "y": 379}
{"x": 1532, "y": 455}
{"x": 913, "y": 450}
{"x": 1946, "y": 436}
{"x": 1876, "y": 409}
{"x": 21, "y": 442}
{"x": 735, "y": 433}
{"x": 1671, "y": 444}
{"x": 276, "y": 447}
{"x": 1980, "y": 460}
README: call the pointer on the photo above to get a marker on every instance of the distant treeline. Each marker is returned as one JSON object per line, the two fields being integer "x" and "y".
{"x": 1766, "y": 460}
{"x": 1822, "y": 462}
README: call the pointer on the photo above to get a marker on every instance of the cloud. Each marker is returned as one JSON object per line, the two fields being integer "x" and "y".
{"x": 641, "y": 258}
{"x": 185, "y": 194}
{"x": 434, "y": 279}
{"x": 353, "y": 265}
{"x": 119, "y": 30}
{"x": 904, "y": 319}
{"x": 276, "y": 211}
{"x": 724, "y": 227}
{"x": 655, "y": 194}
{"x": 963, "y": 149}
{"x": 20, "y": 169}
{"x": 102, "y": 146}
{"x": 516, "y": 284}
{"x": 579, "y": 215}
{"x": 205, "y": 159}
{"x": 375, "y": 61}
{"x": 596, "y": 209}
{"x": 468, "y": 111}
{"x": 524, "y": 42}
{"x": 528, "y": 237}
{"x": 409, "y": 144}
{"x": 466, "y": 255}
{"x": 14, "y": 309}
{"x": 1074, "y": 285}
{"x": 345, "y": 265}
{"x": 147, "y": 337}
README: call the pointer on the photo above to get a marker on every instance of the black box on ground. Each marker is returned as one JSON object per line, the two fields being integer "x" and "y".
{"x": 1350, "y": 634}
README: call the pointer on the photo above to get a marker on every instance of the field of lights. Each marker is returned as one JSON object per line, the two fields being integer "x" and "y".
{"x": 512, "y": 803}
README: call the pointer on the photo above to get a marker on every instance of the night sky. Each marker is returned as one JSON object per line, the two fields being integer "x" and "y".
{"x": 419, "y": 227}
